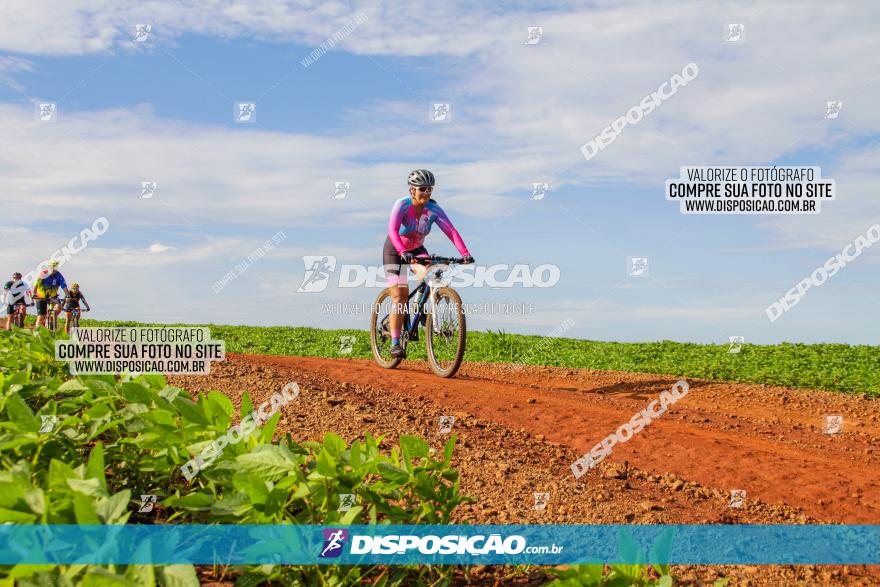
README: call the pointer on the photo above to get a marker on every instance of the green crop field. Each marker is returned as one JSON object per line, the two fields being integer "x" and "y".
{"x": 835, "y": 367}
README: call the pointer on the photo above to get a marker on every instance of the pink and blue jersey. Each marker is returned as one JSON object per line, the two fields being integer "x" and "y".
{"x": 407, "y": 230}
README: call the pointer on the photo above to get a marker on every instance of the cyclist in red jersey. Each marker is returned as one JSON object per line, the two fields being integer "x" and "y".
{"x": 411, "y": 220}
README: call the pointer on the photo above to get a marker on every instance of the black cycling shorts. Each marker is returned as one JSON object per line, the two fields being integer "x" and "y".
{"x": 10, "y": 308}
{"x": 42, "y": 305}
{"x": 391, "y": 259}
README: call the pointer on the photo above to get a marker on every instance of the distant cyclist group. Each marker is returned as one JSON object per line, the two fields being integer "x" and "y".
{"x": 19, "y": 295}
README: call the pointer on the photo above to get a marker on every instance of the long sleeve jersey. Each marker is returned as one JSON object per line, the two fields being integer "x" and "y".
{"x": 408, "y": 230}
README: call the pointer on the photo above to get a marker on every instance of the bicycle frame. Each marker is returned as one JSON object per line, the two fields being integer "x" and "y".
{"x": 18, "y": 317}
{"x": 75, "y": 315}
{"x": 411, "y": 321}
{"x": 51, "y": 316}
{"x": 424, "y": 291}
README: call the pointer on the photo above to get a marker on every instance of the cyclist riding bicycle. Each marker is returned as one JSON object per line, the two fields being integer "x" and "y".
{"x": 411, "y": 220}
{"x": 71, "y": 304}
{"x": 16, "y": 293}
{"x": 46, "y": 288}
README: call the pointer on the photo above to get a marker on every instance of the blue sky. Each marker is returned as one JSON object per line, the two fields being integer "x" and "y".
{"x": 162, "y": 111}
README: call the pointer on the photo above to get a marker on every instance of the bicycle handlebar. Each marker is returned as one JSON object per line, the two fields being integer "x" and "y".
{"x": 438, "y": 259}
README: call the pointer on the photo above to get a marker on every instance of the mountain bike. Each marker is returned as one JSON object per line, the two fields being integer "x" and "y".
{"x": 51, "y": 318}
{"x": 443, "y": 320}
{"x": 75, "y": 314}
{"x": 19, "y": 315}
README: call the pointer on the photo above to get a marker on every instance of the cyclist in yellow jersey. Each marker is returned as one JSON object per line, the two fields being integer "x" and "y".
{"x": 46, "y": 288}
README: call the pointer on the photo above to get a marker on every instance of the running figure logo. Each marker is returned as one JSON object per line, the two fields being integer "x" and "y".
{"x": 539, "y": 190}
{"x": 736, "y": 344}
{"x": 142, "y": 32}
{"x": 318, "y": 270}
{"x": 737, "y": 497}
{"x": 833, "y": 108}
{"x": 148, "y": 189}
{"x": 440, "y": 112}
{"x": 334, "y": 540}
{"x": 541, "y": 499}
{"x": 346, "y": 502}
{"x": 637, "y": 267}
{"x": 445, "y": 424}
{"x": 535, "y": 34}
{"x": 341, "y": 189}
{"x": 47, "y": 423}
{"x": 833, "y": 425}
{"x": 147, "y": 503}
{"x": 734, "y": 32}
{"x": 47, "y": 112}
{"x": 245, "y": 112}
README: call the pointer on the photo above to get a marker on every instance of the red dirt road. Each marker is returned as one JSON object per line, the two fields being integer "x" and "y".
{"x": 765, "y": 440}
{"x": 519, "y": 430}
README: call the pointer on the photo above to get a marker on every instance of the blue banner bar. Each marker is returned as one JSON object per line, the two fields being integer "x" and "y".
{"x": 540, "y": 544}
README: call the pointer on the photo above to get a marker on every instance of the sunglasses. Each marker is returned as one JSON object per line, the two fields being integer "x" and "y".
{"x": 425, "y": 189}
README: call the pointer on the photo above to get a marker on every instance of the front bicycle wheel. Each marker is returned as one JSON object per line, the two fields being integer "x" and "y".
{"x": 51, "y": 319}
{"x": 380, "y": 330}
{"x": 445, "y": 333}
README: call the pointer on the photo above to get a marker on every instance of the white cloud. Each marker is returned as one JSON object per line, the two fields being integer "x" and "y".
{"x": 78, "y": 27}
{"x": 160, "y": 248}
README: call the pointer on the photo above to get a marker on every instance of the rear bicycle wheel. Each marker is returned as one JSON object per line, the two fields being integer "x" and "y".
{"x": 380, "y": 330}
{"x": 445, "y": 333}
